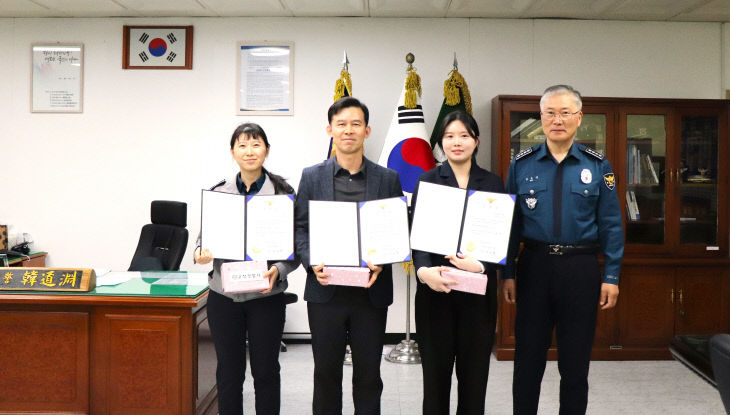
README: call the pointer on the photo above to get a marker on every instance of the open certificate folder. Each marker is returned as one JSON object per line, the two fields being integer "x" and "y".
{"x": 247, "y": 228}
{"x": 447, "y": 220}
{"x": 351, "y": 233}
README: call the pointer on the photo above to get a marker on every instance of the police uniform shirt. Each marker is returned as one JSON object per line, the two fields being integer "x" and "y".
{"x": 255, "y": 186}
{"x": 574, "y": 202}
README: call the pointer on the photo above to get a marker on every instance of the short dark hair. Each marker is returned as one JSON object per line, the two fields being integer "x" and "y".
{"x": 469, "y": 122}
{"x": 251, "y": 130}
{"x": 347, "y": 102}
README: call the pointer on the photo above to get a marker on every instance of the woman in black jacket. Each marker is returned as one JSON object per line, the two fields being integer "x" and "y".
{"x": 258, "y": 316}
{"x": 455, "y": 327}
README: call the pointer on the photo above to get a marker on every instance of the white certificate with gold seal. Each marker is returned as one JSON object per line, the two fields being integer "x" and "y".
{"x": 487, "y": 224}
{"x": 448, "y": 220}
{"x": 384, "y": 231}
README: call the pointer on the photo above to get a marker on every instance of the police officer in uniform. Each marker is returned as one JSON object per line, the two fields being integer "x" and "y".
{"x": 567, "y": 210}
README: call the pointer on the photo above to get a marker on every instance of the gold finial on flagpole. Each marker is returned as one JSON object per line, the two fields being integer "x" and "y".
{"x": 413, "y": 83}
{"x": 455, "y": 88}
{"x": 344, "y": 84}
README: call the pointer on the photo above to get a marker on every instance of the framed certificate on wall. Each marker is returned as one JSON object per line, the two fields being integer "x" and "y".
{"x": 265, "y": 78}
{"x": 157, "y": 47}
{"x": 57, "y": 77}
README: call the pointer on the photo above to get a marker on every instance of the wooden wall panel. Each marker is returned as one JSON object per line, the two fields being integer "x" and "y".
{"x": 44, "y": 362}
{"x": 144, "y": 375}
{"x": 647, "y": 311}
{"x": 700, "y": 307}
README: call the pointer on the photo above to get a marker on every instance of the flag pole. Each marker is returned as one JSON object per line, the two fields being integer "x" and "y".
{"x": 407, "y": 350}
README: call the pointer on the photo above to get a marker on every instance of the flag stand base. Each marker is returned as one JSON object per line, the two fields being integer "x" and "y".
{"x": 405, "y": 352}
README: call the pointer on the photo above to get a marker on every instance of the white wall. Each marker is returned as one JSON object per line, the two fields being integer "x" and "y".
{"x": 87, "y": 179}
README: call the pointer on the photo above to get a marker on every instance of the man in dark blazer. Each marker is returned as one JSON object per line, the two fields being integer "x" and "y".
{"x": 335, "y": 311}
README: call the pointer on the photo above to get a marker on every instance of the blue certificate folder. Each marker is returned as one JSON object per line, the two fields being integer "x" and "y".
{"x": 247, "y": 228}
{"x": 352, "y": 233}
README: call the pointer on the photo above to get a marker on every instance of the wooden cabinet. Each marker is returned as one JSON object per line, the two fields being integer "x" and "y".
{"x": 671, "y": 165}
{"x": 34, "y": 259}
{"x": 96, "y": 354}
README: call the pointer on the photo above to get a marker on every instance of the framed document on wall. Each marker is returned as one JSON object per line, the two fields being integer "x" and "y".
{"x": 265, "y": 78}
{"x": 57, "y": 77}
{"x": 157, "y": 47}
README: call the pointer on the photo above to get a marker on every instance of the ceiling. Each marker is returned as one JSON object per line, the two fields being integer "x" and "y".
{"x": 654, "y": 10}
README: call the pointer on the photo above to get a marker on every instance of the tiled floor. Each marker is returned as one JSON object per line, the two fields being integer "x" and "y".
{"x": 629, "y": 387}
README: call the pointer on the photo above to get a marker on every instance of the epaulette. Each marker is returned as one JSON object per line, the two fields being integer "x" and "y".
{"x": 592, "y": 152}
{"x": 524, "y": 153}
{"x": 220, "y": 183}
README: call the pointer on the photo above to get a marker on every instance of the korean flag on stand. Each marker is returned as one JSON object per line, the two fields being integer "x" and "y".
{"x": 157, "y": 47}
{"x": 406, "y": 148}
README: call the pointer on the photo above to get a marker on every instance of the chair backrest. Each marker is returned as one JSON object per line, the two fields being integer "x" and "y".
{"x": 162, "y": 243}
{"x": 720, "y": 357}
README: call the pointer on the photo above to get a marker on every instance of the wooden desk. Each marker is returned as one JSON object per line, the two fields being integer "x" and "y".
{"x": 139, "y": 347}
{"x": 34, "y": 259}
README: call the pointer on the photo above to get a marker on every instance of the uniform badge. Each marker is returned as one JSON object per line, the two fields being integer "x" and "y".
{"x": 610, "y": 180}
{"x": 531, "y": 202}
{"x": 586, "y": 176}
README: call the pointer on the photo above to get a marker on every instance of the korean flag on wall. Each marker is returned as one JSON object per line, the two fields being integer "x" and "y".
{"x": 149, "y": 46}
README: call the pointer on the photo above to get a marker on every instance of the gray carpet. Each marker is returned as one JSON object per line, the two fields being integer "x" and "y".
{"x": 629, "y": 387}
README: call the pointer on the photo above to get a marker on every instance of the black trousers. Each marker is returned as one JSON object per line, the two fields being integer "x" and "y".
{"x": 330, "y": 324}
{"x": 230, "y": 322}
{"x": 560, "y": 292}
{"x": 455, "y": 328}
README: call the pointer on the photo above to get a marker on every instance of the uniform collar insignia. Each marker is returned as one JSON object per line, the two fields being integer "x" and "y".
{"x": 523, "y": 153}
{"x": 593, "y": 152}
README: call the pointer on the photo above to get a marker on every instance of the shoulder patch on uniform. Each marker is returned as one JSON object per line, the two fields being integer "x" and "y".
{"x": 593, "y": 153}
{"x": 220, "y": 183}
{"x": 523, "y": 153}
{"x": 610, "y": 180}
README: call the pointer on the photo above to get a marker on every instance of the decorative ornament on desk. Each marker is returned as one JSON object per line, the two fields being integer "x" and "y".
{"x": 23, "y": 243}
{"x": 3, "y": 236}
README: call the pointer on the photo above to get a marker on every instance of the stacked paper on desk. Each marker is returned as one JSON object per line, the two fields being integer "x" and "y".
{"x": 351, "y": 276}
{"x": 468, "y": 282}
{"x": 244, "y": 276}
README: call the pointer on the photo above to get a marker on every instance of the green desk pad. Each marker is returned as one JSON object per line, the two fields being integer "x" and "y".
{"x": 142, "y": 284}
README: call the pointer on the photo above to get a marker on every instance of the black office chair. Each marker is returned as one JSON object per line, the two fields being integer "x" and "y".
{"x": 162, "y": 243}
{"x": 720, "y": 357}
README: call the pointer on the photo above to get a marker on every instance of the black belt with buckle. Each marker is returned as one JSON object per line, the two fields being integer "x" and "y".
{"x": 557, "y": 249}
